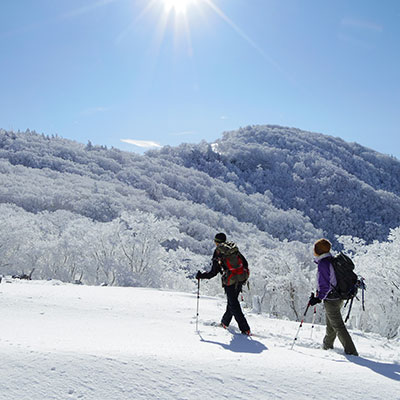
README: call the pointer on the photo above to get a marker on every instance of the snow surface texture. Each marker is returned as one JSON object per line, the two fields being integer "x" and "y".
{"x": 64, "y": 341}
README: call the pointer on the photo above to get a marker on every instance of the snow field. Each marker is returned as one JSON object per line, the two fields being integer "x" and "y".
{"x": 63, "y": 341}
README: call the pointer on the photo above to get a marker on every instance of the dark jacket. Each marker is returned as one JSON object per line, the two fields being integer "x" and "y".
{"x": 218, "y": 266}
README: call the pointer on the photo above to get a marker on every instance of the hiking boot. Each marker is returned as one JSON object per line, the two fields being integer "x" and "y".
{"x": 248, "y": 333}
{"x": 325, "y": 347}
{"x": 353, "y": 353}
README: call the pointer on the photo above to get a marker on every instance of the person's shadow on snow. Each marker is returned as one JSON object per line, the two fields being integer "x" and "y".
{"x": 391, "y": 371}
{"x": 240, "y": 344}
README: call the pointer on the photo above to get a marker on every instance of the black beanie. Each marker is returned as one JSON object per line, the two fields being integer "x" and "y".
{"x": 220, "y": 237}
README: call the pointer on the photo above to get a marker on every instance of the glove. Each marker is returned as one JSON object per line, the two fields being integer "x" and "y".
{"x": 314, "y": 300}
{"x": 199, "y": 275}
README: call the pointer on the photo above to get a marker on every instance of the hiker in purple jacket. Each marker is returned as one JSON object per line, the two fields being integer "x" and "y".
{"x": 326, "y": 283}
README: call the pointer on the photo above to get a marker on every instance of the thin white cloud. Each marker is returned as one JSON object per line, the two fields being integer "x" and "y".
{"x": 362, "y": 24}
{"x": 223, "y": 117}
{"x": 142, "y": 143}
{"x": 95, "y": 110}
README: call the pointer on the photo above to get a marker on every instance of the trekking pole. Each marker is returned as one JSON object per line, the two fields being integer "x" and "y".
{"x": 348, "y": 313}
{"x": 301, "y": 324}
{"x": 198, "y": 299}
{"x": 363, "y": 287}
{"x": 362, "y": 299}
{"x": 313, "y": 321}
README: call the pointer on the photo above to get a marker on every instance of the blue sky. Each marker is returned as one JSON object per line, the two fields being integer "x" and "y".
{"x": 173, "y": 71}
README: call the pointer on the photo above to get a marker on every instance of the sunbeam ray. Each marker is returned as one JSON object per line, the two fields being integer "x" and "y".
{"x": 143, "y": 13}
{"x": 240, "y": 32}
{"x": 251, "y": 42}
{"x": 86, "y": 9}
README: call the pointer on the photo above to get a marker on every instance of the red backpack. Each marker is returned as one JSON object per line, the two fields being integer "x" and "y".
{"x": 234, "y": 270}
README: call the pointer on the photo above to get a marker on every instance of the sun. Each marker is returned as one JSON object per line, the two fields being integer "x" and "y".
{"x": 179, "y": 6}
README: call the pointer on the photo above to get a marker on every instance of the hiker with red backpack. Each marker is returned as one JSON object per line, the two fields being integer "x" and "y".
{"x": 228, "y": 261}
{"x": 333, "y": 302}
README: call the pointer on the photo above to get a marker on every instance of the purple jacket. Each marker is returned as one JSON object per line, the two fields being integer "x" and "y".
{"x": 325, "y": 276}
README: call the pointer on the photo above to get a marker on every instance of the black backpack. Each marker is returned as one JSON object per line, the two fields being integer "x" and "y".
{"x": 234, "y": 270}
{"x": 346, "y": 278}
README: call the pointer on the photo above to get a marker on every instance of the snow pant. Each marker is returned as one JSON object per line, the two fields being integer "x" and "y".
{"x": 336, "y": 327}
{"x": 233, "y": 308}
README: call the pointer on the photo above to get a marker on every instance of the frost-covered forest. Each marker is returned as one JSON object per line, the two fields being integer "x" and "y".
{"x": 343, "y": 188}
{"x": 85, "y": 213}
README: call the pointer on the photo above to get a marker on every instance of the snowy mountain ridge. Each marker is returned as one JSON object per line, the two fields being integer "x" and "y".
{"x": 344, "y": 188}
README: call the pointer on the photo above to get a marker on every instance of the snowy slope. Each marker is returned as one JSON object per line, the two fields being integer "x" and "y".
{"x": 62, "y": 341}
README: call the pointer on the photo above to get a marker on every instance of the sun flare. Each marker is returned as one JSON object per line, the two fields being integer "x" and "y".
{"x": 179, "y": 6}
